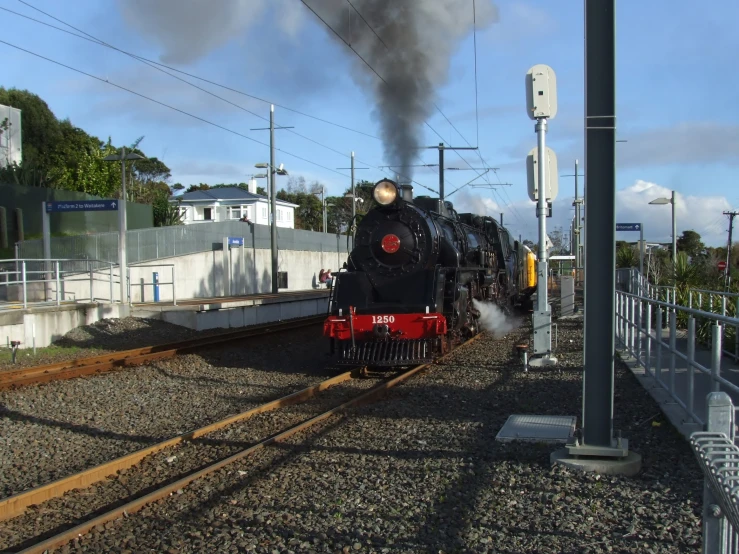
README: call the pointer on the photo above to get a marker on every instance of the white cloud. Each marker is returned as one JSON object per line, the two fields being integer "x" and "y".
{"x": 702, "y": 214}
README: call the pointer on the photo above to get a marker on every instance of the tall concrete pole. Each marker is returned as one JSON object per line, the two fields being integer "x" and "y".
{"x": 578, "y": 227}
{"x": 122, "y": 228}
{"x": 273, "y": 192}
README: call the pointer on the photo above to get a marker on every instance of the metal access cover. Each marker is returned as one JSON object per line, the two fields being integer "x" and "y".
{"x": 537, "y": 428}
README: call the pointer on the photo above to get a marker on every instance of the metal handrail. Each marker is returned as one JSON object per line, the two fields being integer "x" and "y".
{"x": 632, "y": 325}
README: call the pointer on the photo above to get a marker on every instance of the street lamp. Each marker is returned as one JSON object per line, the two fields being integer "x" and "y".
{"x": 272, "y": 217}
{"x": 122, "y": 226}
{"x": 671, "y": 200}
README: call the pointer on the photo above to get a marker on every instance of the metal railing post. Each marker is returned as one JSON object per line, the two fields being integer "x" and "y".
{"x": 174, "y": 293}
{"x": 700, "y": 300}
{"x": 630, "y": 323}
{"x": 25, "y": 284}
{"x": 58, "y": 284}
{"x": 736, "y": 331}
{"x": 92, "y": 293}
{"x": 673, "y": 349}
{"x": 690, "y": 299}
{"x": 640, "y": 321}
{"x": 648, "y": 355}
{"x": 715, "y": 355}
{"x": 658, "y": 334}
{"x": 110, "y": 280}
{"x": 691, "y": 369}
{"x": 716, "y": 529}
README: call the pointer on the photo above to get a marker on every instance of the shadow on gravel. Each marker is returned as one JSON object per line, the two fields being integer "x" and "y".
{"x": 13, "y": 415}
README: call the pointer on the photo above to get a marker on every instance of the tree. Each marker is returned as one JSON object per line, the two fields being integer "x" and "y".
{"x": 690, "y": 243}
{"x": 42, "y": 133}
{"x": 627, "y": 256}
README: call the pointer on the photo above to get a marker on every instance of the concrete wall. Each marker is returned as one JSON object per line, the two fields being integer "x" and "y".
{"x": 247, "y": 271}
{"x": 51, "y": 323}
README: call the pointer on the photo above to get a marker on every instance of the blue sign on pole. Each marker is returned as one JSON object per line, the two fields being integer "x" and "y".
{"x": 236, "y": 241}
{"x": 628, "y": 226}
{"x": 82, "y": 206}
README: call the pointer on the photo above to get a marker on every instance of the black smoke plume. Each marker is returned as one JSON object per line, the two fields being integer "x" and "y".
{"x": 407, "y": 46}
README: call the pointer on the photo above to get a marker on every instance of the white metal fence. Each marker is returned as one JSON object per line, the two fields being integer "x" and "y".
{"x": 162, "y": 242}
{"x": 25, "y": 283}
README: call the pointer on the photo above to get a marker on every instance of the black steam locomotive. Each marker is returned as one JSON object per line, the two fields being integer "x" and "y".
{"x": 405, "y": 294}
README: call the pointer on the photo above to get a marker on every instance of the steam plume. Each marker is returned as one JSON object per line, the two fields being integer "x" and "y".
{"x": 492, "y": 318}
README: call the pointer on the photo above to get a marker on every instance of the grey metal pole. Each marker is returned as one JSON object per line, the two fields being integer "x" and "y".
{"x": 600, "y": 248}
{"x": 323, "y": 205}
{"x": 501, "y": 219}
{"x": 674, "y": 231}
{"x": 541, "y": 210}
{"x": 641, "y": 258}
{"x": 441, "y": 171}
{"x": 122, "y": 229}
{"x": 354, "y": 198}
{"x": 273, "y": 192}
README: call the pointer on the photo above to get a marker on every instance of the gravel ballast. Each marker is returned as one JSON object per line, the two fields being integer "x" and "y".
{"x": 421, "y": 471}
{"x": 53, "y": 430}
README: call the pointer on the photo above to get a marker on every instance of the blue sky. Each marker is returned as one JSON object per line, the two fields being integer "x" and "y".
{"x": 676, "y": 97}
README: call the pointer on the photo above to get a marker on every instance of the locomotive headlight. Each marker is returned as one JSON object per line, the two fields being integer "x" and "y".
{"x": 385, "y": 192}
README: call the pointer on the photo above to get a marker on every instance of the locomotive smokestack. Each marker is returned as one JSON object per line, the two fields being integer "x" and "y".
{"x": 407, "y": 192}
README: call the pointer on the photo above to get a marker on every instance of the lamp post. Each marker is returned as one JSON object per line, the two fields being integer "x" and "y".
{"x": 671, "y": 200}
{"x": 271, "y": 170}
{"x": 122, "y": 157}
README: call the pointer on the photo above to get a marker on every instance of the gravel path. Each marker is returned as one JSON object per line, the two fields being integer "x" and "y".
{"x": 51, "y": 431}
{"x": 421, "y": 472}
{"x": 106, "y": 335}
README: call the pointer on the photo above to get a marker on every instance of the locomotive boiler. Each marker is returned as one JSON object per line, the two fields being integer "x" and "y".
{"x": 405, "y": 294}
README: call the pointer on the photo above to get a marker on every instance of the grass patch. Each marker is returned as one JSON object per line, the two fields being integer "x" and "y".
{"x": 6, "y": 354}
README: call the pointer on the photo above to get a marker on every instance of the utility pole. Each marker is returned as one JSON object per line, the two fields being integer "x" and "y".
{"x": 727, "y": 276}
{"x": 501, "y": 219}
{"x": 441, "y": 148}
{"x": 353, "y": 193}
{"x": 577, "y": 227}
{"x": 273, "y": 193}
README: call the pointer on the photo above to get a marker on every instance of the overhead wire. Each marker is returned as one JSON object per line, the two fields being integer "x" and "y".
{"x": 193, "y": 116}
{"x": 154, "y": 65}
{"x": 170, "y": 68}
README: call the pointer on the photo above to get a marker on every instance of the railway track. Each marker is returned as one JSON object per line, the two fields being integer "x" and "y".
{"x": 127, "y": 358}
{"x": 16, "y": 505}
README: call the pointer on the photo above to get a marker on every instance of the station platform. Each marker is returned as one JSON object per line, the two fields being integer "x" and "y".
{"x": 236, "y": 311}
{"x": 40, "y": 325}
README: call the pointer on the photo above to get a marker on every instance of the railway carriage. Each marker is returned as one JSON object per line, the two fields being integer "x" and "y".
{"x": 405, "y": 294}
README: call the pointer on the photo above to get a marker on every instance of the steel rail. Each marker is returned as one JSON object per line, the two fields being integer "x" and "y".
{"x": 137, "y": 504}
{"x": 126, "y": 358}
{"x": 15, "y": 505}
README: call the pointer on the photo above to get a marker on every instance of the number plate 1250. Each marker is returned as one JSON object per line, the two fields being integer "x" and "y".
{"x": 383, "y": 319}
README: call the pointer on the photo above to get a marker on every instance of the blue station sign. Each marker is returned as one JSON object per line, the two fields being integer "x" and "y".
{"x": 236, "y": 241}
{"x": 82, "y": 206}
{"x": 628, "y": 226}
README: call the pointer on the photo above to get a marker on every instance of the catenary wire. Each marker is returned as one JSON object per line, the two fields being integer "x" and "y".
{"x": 121, "y": 87}
{"x": 170, "y": 68}
{"x": 155, "y": 65}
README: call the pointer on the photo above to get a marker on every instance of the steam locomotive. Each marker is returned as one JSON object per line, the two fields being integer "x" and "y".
{"x": 406, "y": 292}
